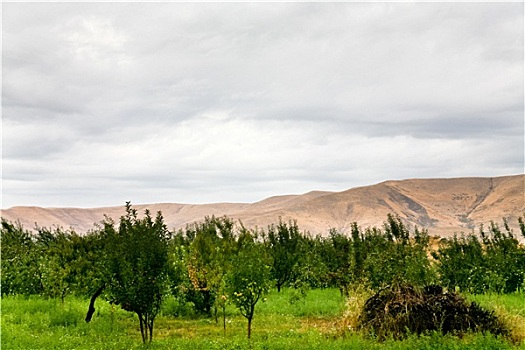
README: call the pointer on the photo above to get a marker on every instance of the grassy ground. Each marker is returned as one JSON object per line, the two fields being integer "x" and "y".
{"x": 321, "y": 320}
{"x": 509, "y": 307}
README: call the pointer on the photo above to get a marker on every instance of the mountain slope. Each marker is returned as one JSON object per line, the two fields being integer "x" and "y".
{"x": 443, "y": 206}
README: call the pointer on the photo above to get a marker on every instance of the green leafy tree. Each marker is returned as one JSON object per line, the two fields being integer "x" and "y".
{"x": 207, "y": 261}
{"x": 138, "y": 265}
{"x": 359, "y": 254}
{"x": 494, "y": 261}
{"x": 284, "y": 245}
{"x": 393, "y": 255}
{"x": 20, "y": 269}
{"x": 250, "y": 277}
{"x": 178, "y": 279}
{"x": 58, "y": 261}
{"x": 312, "y": 271}
{"x": 337, "y": 255}
{"x": 461, "y": 263}
{"x": 50, "y": 262}
{"x": 505, "y": 258}
{"x": 89, "y": 265}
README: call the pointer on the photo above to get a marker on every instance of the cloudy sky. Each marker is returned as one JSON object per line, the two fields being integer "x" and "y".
{"x": 234, "y": 102}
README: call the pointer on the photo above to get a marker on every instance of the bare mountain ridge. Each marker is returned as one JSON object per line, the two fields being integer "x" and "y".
{"x": 443, "y": 206}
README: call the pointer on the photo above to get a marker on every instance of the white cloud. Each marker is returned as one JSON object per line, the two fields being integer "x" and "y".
{"x": 151, "y": 102}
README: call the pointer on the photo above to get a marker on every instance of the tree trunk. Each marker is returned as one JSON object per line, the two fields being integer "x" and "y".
{"x": 91, "y": 309}
{"x": 224, "y": 318}
{"x": 141, "y": 321}
{"x": 207, "y": 301}
{"x": 63, "y": 295}
{"x": 249, "y": 327}
{"x": 150, "y": 325}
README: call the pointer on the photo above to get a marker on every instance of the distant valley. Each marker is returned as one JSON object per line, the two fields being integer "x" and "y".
{"x": 443, "y": 206}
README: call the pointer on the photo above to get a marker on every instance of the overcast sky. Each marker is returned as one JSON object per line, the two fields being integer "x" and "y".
{"x": 234, "y": 102}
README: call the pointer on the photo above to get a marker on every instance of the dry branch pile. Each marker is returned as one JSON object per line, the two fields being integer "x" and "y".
{"x": 402, "y": 310}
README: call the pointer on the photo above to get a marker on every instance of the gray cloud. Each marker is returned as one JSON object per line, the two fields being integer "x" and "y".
{"x": 200, "y": 102}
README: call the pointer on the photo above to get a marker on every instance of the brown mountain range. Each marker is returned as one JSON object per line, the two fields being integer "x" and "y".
{"x": 443, "y": 206}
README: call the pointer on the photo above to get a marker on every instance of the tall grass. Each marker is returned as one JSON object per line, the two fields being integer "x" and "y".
{"x": 284, "y": 321}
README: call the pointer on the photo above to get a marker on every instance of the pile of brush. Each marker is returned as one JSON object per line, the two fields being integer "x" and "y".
{"x": 401, "y": 310}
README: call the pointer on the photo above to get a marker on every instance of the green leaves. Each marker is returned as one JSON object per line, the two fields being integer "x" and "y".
{"x": 137, "y": 263}
{"x": 215, "y": 262}
{"x": 207, "y": 260}
{"x": 20, "y": 269}
{"x": 52, "y": 262}
{"x": 250, "y": 276}
{"x": 376, "y": 257}
{"x": 494, "y": 261}
{"x": 284, "y": 244}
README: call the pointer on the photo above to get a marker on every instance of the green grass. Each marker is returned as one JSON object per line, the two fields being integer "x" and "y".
{"x": 316, "y": 303}
{"x": 283, "y": 321}
{"x": 509, "y": 307}
{"x": 513, "y": 303}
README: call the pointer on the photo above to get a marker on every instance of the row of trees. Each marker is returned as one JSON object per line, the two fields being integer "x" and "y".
{"x": 217, "y": 261}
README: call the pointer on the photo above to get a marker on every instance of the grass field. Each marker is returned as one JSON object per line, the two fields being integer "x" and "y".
{"x": 321, "y": 320}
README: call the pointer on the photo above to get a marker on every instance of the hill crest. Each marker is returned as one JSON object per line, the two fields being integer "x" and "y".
{"x": 443, "y": 206}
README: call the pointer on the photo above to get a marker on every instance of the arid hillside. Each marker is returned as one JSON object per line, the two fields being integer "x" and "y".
{"x": 443, "y": 206}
